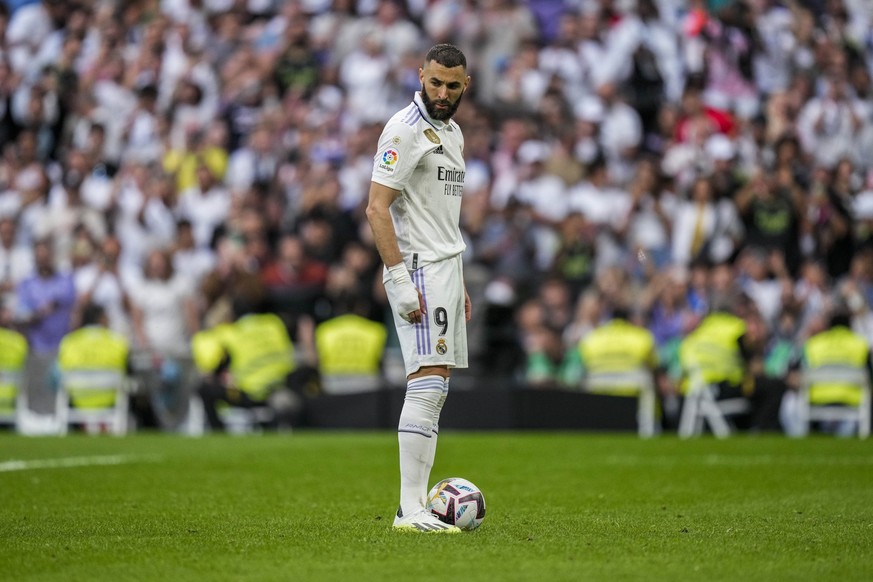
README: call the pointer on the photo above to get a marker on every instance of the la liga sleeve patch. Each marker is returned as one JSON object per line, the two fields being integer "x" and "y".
{"x": 388, "y": 160}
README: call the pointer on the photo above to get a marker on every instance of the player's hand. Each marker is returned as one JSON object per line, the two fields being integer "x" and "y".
{"x": 409, "y": 302}
{"x": 411, "y": 310}
{"x": 417, "y": 315}
{"x": 468, "y": 306}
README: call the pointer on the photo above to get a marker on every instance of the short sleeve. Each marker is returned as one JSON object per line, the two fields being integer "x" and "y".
{"x": 396, "y": 156}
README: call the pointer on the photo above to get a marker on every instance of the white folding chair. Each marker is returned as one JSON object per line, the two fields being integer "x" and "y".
{"x": 82, "y": 384}
{"x": 12, "y": 416}
{"x": 702, "y": 405}
{"x": 237, "y": 420}
{"x": 245, "y": 420}
{"x": 640, "y": 382}
{"x": 834, "y": 374}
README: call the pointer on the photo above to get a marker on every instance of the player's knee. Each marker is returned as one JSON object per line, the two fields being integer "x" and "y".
{"x": 421, "y": 404}
{"x": 441, "y": 371}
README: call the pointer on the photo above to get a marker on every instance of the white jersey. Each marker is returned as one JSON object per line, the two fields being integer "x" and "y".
{"x": 424, "y": 159}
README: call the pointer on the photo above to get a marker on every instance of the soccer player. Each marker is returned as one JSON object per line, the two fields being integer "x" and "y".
{"x": 414, "y": 210}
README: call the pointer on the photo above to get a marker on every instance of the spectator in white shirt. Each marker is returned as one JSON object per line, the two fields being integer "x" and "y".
{"x": 66, "y": 210}
{"x": 592, "y": 47}
{"x": 589, "y": 115}
{"x": 28, "y": 29}
{"x": 390, "y": 23}
{"x": 546, "y": 195}
{"x": 703, "y": 228}
{"x": 96, "y": 186}
{"x": 513, "y": 132}
{"x": 206, "y": 205}
{"x": 560, "y": 59}
{"x": 164, "y": 308}
{"x": 188, "y": 257}
{"x": 647, "y": 224}
{"x": 621, "y": 133}
{"x": 523, "y": 83}
{"x": 605, "y": 206}
{"x": 142, "y": 138}
{"x": 765, "y": 280}
{"x": 363, "y": 74}
{"x": 253, "y": 164}
{"x": 16, "y": 261}
{"x": 829, "y": 125}
{"x": 102, "y": 282}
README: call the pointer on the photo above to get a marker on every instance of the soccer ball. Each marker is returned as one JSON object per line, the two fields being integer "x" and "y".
{"x": 456, "y": 501}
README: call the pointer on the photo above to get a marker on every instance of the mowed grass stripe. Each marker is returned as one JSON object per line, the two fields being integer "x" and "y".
{"x": 318, "y": 506}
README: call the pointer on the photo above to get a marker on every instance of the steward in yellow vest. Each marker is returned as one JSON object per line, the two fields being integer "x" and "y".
{"x": 715, "y": 350}
{"x": 261, "y": 354}
{"x": 244, "y": 363}
{"x": 837, "y": 346}
{"x": 350, "y": 349}
{"x": 13, "y": 354}
{"x": 618, "y": 346}
{"x": 93, "y": 348}
{"x": 722, "y": 349}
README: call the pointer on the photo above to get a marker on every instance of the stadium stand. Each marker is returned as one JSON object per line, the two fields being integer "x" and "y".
{"x": 657, "y": 154}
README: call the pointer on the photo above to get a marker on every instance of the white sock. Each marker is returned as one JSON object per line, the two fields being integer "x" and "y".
{"x": 414, "y": 435}
{"x": 431, "y": 454}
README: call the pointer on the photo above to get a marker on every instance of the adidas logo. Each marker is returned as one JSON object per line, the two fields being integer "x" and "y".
{"x": 430, "y": 526}
{"x": 439, "y": 150}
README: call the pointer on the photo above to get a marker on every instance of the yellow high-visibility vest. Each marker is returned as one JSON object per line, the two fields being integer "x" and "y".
{"x": 261, "y": 353}
{"x": 713, "y": 348}
{"x": 208, "y": 348}
{"x": 838, "y": 346}
{"x": 13, "y": 354}
{"x": 350, "y": 345}
{"x": 618, "y": 346}
{"x": 97, "y": 349}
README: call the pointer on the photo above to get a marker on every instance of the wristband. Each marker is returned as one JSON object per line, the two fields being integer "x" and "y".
{"x": 399, "y": 274}
{"x": 406, "y": 293}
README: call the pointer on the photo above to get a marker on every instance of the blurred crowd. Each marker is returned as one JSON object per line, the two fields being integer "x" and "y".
{"x": 162, "y": 158}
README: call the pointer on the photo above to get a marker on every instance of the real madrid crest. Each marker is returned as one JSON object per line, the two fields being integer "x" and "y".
{"x": 441, "y": 347}
{"x": 431, "y": 135}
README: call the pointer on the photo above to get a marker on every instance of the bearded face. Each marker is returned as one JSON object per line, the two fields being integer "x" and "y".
{"x": 442, "y": 89}
{"x": 440, "y": 109}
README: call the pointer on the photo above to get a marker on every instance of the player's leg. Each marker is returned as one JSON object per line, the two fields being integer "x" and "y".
{"x": 427, "y": 368}
{"x": 431, "y": 455}
{"x": 415, "y": 435}
{"x": 416, "y": 438}
{"x": 448, "y": 332}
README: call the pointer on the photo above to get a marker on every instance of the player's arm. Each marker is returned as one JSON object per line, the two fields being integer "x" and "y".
{"x": 381, "y": 197}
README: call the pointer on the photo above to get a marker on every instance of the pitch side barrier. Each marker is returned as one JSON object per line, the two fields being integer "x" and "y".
{"x": 481, "y": 409}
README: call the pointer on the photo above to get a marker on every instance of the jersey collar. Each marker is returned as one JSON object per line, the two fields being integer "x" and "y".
{"x": 437, "y": 124}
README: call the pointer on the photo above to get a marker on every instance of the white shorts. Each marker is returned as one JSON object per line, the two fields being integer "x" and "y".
{"x": 441, "y": 337}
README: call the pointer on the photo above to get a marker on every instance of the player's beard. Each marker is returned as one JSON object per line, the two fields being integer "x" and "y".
{"x": 440, "y": 114}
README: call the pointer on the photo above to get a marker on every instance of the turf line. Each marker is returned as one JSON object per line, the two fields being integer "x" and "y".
{"x": 67, "y": 462}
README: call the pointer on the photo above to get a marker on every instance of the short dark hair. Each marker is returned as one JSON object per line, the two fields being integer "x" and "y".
{"x": 621, "y": 312}
{"x": 447, "y": 55}
{"x": 92, "y": 314}
{"x": 840, "y": 318}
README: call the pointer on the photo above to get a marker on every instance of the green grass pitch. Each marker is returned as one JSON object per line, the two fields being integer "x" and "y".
{"x": 318, "y": 506}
